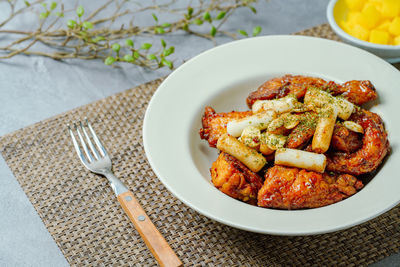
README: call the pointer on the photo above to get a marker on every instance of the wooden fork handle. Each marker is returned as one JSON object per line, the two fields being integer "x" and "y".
{"x": 151, "y": 236}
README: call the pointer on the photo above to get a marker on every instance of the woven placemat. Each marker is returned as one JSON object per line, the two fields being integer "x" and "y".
{"x": 81, "y": 213}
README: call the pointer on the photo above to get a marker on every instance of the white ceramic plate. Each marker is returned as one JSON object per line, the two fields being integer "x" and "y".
{"x": 222, "y": 78}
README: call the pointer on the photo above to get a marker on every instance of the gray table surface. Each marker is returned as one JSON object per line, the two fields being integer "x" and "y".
{"x": 35, "y": 88}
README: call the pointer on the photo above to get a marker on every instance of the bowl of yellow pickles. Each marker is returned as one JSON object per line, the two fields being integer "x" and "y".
{"x": 373, "y": 25}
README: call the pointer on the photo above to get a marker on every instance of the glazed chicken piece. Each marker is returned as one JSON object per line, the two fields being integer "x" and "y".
{"x": 357, "y": 92}
{"x": 375, "y": 147}
{"x": 303, "y": 132}
{"x": 293, "y": 188}
{"x": 345, "y": 140}
{"x": 214, "y": 124}
{"x": 233, "y": 178}
{"x": 282, "y": 86}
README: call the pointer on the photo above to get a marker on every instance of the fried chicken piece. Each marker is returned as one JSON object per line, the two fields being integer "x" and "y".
{"x": 233, "y": 178}
{"x": 293, "y": 188}
{"x": 214, "y": 124}
{"x": 282, "y": 86}
{"x": 345, "y": 140}
{"x": 303, "y": 132}
{"x": 357, "y": 92}
{"x": 375, "y": 146}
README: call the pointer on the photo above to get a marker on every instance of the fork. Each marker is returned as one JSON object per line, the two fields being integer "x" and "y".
{"x": 95, "y": 158}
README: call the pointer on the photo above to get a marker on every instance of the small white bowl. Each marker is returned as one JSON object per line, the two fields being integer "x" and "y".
{"x": 390, "y": 53}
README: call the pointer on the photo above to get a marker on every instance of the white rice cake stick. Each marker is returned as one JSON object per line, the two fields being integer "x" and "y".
{"x": 324, "y": 129}
{"x": 300, "y": 159}
{"x": 260, "y": 120}
{"x": 280, "y": 105}
{"x": 248, "y": 156}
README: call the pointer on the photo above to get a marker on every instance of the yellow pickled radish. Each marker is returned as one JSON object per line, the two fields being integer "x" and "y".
{"x": 379, "y": 37}
{"x": 384, "y": 25}
{"x": 376, "y": 3}
{"x": 359, "y": 32}
{"x": 390, "y": 8}
{"x": 397, "y": 40}
{"x": 394, "y": 27}
{"x": 345, "y": 26}
{"x": 353, "y": 17}
{"x": 355, "y": 4}
{"x": 391, "y": 40}
{"x": 370, "y": 16}
{"x": 376, "y": 21}
{"x": 363, "y": 21}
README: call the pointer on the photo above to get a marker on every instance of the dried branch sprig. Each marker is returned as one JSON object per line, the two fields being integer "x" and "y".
{"x": 96, "y": 37}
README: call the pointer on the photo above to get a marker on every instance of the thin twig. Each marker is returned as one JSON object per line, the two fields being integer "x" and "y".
{"x": 97, "y": 11}
{"x": 14, "y": 13}
{"x": 79, "y": 42}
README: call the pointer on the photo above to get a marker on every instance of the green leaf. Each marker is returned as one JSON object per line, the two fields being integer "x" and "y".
{"x": 80, "y": 11}
{"x": 256, "y": 30}
{"x": 27, "y": 3}
{"x": 190, "y": 11}
{"x": 44, "y": 5}
{"x": 154, "y": 17}
{"x": 167, "y": 63}
{"x": 198, "y": 21}
{"x": 207, "y": 16}
{"x": 242, "y": 32}
{"x": 116, "y": 47}
{"x": 59, "y": 14}
{"x": 71, "y": 23}
{"x": 163, "y": 43}
{"x": 109, "y": 60}
{"x": 53, "y": 5}
{"x": 169, "y": 51}
{"x": 44, "y": 15}
{"x": 159, "y": 30}
{"x": 83, "y": 34}
{"x": 221, "y": 15}
{"x": 166, "y": 25}
{"x": 213, "y": 31}
{"x": 129, "y": 58}
{"x": 185, "y": 27}
{"x": 87, "y": 25}
{"x": 129, "y": 42}
{"x": 98, "y": 39}
{"x": 146, "y": 46}
{"x": 151, "y": 57}
{"x": 136, "y": 54}
{"x": 253, "y": 9}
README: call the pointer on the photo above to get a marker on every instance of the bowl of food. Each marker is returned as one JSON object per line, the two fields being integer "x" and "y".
{"x": 373, "y": 25}
{"x": 276, "y": 135}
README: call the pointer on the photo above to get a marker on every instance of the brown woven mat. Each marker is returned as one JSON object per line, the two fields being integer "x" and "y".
{"x": 84, "y": 218}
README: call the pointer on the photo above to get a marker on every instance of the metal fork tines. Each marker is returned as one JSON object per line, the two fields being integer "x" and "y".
{"x": 93, "y": 155}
